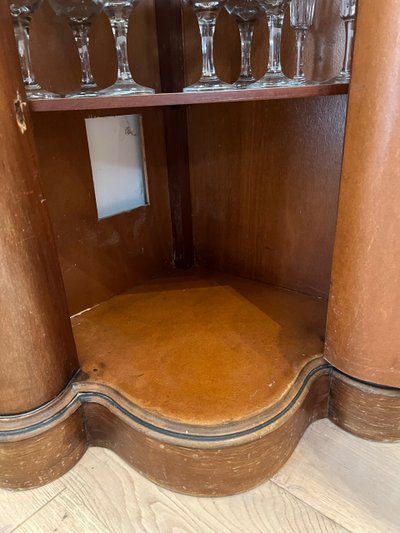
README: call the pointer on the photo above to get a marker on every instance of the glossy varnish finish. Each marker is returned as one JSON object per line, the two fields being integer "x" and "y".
{"x": 364, "y": 321}
{"x": 38, "y": 355}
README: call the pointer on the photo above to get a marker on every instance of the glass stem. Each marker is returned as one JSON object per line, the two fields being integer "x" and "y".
{"x": 21, "y": 29}
{"x": 246, "y": 30}
{"x": 300, "y": 40}
{"x": 275, "y": 23}
{"x": 349, "y": 47}
{"x": 81, "y": 34}
{"x": 119, "y": 27}
{"x": 207, "y": 21}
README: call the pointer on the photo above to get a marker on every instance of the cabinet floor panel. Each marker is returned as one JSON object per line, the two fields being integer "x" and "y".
{"x": 201, "y": 348}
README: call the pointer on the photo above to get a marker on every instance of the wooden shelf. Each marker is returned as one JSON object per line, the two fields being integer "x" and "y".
{"x": 176, "y": 99}
{"x": 204, "y": 350}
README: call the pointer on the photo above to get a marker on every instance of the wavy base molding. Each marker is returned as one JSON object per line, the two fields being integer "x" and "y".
{"x": 40, "y": 446}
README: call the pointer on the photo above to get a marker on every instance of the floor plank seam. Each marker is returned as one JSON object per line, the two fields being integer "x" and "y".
{"x": 311, "y": 506}
{"x": 16, "y": 528}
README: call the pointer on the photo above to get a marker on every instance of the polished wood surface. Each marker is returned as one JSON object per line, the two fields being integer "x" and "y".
{"x": 201, "y": 350}
{"x": 363, "y": 331}
{"x": 101, "y": 258}
{"x": 37, "y": 350}
{"x": 179, "y": 99}
{"x": 265, "y": 183}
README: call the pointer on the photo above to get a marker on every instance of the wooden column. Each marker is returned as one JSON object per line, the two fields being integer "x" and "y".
{"x": 37, "y": 350}
{"x": 363, "y": 336}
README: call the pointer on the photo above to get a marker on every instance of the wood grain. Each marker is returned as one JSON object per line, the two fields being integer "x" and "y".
{"x": 265, "y": 183}
{"x": 55, "y": 55}
{"x": 37, "y": 351}
{"x": 362, "y": 335}
{"x": 202, "y": 350}
{"x": 17, "y": 507}
{"x": 35, "y": 461}
{"x": 324, "y": 46}
{"x": 182, "y": 99}
{"x": 101, "y": 258}
{"x": 338, "y": 474}
{"x": 67, "y": 512}
{"x": 365, "y": 410}
{"x": 123, "y": 500}
{"x": 212, "y": 469}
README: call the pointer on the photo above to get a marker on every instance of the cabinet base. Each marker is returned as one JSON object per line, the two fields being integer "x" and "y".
{"x": 40, "y": 446}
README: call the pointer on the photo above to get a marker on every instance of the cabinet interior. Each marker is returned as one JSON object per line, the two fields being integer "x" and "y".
{"x": 264, "y": 181}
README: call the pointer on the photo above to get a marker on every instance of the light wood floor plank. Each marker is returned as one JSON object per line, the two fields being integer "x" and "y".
{"x": 354, "y": 482}
{"x": 126, "y": 502}
{"x": 16, "y": 507}
{"x": 65, "y": 514}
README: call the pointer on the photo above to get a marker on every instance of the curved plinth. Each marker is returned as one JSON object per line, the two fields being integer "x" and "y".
{"x": 204, "y": 384}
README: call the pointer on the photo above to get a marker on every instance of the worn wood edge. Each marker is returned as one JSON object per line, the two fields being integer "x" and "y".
{"x": 135, "y": 440}
{"x": 81, "y": 391}
{"x": 41, "y": 459}
{"x": 364, "y": 409}
{"x": 176, "y": 99}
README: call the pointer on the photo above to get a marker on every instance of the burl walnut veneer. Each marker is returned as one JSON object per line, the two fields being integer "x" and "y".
{"x": 203, "y": 379}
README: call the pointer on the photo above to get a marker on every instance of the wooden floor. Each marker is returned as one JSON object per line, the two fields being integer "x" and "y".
{"x": 334, "y": 482}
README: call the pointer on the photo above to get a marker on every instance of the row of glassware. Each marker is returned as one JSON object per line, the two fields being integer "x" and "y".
{"x": 80, "y": 13}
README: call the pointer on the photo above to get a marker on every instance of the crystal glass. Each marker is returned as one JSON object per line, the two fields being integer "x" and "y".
{"x": 118, "y": 12}
{"x": 275, "y": 11}
{"x": 348, "y": 14}
{"x": 301, "y": 18}
{"x": 80, "y": 14}
{"x": 21, "y": 12}
{"x": 207, "y": 12}
{"x": 246, "y": 13}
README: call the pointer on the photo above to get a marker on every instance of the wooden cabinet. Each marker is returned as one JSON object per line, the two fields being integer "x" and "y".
{"x": 198, "y": 347}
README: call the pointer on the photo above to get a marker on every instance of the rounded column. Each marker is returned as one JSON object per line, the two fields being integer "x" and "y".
{"x": 363, "y": 333}
{"x": 37, "y": 349}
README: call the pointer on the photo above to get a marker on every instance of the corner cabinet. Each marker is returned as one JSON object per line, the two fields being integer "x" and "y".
{"x": 248, "y": 299}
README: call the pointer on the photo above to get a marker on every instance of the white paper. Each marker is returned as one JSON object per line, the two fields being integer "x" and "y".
{"x": 116, "y": 154}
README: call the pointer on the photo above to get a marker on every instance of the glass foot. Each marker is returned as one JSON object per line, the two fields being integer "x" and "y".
{"x": 243, "y": 82}
{"x": 275, "y": 79}
{"x": 301, "y": 82}
{"x": 35, "y": 92}
{"x": 125, "y": 88}
{"x": 343, "y": 77}
{"x": 208, "y": 84}
{"x": 85, "y": 91}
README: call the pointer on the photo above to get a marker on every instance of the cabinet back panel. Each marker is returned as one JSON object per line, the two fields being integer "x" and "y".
{"x": 101, "y": 258}
{"x": 55, "y": 55}
{"x": 265, "y": 179}
{"x": 265, "y": 176}
{"x": 324, "y": 46}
